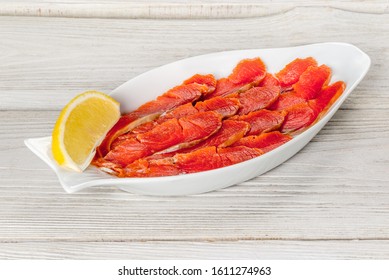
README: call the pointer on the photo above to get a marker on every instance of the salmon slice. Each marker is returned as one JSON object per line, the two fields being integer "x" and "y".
{"x": 162, "y": 136}
{"x": 302, "y": 115}
{"x": 200, "y": 160}
{"x": 171, "y": 135}
{"x": 109, "y": 167}
{"x": 211, "y": 158}
{"x": 230, "y": 132}
{"x": 173, "y": 98}
{"x": 224, "y": 106}
{"x": 208, "y": 80}
{"x": 265, "y": 141}
{"x": 143, "y": 128}
{"x": 312, "y": 81}
{"x": 286, "y": 100}
{"x": 233, "y": 155}
{"x": 176, "y": 113}
{"x": 128, "y": 151}
{"x": 291, "y": 73}
{"x": 263, "y": 120}
{"x": 258, "y": 98}
{"x": 269, "y": 80}
{"x": 151, "y": 168}
{"x": 178, "y": 133}
{"x": 248, "y": 73}
{"x": 299, "y": 116}
{"x": 327, "y": 97}
{"x": 227, "y": 107}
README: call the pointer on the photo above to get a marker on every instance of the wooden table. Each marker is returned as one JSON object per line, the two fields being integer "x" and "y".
{"x": 330, "y": 201}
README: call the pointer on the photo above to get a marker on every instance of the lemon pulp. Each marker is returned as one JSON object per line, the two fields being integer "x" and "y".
{"x": 81, "y": 127}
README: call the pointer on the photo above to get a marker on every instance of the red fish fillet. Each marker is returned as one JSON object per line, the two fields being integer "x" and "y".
{"x": 327, "y": 97}
{"x": 208, "y": 80}
{"x": 265, "y": 141}
{"x": 269, "y": 80}
{"x": 200, "y": 160}
{"x": 312, "y": 81}
{"x": 291, "y": 73}
{"x": 258, "y": 98}
{"x": 248, "y": 73}
{"x": 299, "y": 116}
{"x": 145, "y": 167}
{"x": 128, "y": 151}
{"x": 302, "y": 115}
{"x": 227, "y": 107}
{"x": 263, "y": 120}
{"x": 173, "y": 134}
{"x": 205, "y": 124}
{"x": 224, "y": 106}
{"x": 230, "y": 132}
{"x": 109, "y": 167}
{"x": 286, "y": 100}
{"x": 174, "y": 97}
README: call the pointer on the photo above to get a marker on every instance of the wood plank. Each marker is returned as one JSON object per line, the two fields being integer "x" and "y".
{"x": 46, "y": 64}
{"x": 335, "y": 188}
{"x": 268, "y": 250}
{"x": 176, "y": 9}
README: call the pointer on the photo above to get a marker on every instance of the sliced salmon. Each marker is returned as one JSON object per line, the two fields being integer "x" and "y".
{"x": 299, "y": 116}
{"x": 179, "y": 112}
{"x": 311, "y": 81}
{"x": 327, "y": 97}
{"x": 211, "y": 158}
{"x": 203, "y": 159}
{"x": 151, "y": 168}
{"x": 291, "y": 73}
{"x": 208, "y": 80}
{"x": 230, "y": 132}
{"x": 258, "y": 98}
{"x": 248, "y": 73}
{"x": 143, "y": 128}
{"x": 151, "y": 110}
{"x": 128, "y": 151}
{"x": 225, "y": 106}
{"x": 205, "y": 124}
{"x": 179, "y": 133}
{"x": 109, "y": 167}
{"x": 269, "y": 80}
{"x": 263, "y": 120}
{"x": 302, "y": 115}
{"x": 171, "y": 135}
{"x": 265, "y": 141}
{"x": 162, "y": 136}
{"x": 236, "y": 154}
{"x": 286, "y": 100}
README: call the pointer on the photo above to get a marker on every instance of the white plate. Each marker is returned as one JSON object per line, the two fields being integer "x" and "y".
{"x": 347, "y": 62}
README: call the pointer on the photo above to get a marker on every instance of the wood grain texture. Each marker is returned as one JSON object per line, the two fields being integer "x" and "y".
{"x": 56, "y": 58}
{"x": 335, "y": 188}
{"x": 329, "y": 201}
{"x": 151, "y": 250}
{"x": 177, "y": 9}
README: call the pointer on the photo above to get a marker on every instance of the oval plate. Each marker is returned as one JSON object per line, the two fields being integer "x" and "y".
{"x": 348, "y": 63}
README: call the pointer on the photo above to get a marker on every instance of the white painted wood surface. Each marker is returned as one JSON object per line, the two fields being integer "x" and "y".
{"x": 329, "y": 201}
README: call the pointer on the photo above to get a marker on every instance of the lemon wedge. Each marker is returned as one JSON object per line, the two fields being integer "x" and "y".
{"x": 81, "y": 127}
